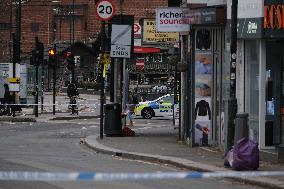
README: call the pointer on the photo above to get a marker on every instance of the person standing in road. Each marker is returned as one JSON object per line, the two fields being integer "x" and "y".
{"x": 72, "y": 93}
{"x": 133, "y": 100}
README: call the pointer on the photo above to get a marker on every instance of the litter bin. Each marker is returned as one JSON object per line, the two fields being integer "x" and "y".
{"x": 241, "y": 127}
{"x": 113, "y": 126}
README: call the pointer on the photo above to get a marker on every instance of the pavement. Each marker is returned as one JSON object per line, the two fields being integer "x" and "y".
{"x": 162, "y": 146}
{"x": 156, "y": 144}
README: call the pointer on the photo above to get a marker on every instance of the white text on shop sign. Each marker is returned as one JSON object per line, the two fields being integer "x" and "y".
{"x": 171, "y": 20}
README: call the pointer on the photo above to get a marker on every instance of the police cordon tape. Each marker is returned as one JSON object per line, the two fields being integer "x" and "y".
{"x": 67, "y": 104}
{"x": 93, "y": 176}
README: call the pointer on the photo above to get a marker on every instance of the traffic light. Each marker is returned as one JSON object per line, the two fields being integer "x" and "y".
{"x": 39, "y": 53}
{"x": 96, "y": 45}
{"x": 70, "y": 61}
{"x": 16, "y": 50}
{"x": 52, "y": 57}
{"x": 33, "y": 58}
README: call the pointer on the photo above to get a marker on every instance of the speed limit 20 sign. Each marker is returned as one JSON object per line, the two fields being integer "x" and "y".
{"x": 105, "y": 9}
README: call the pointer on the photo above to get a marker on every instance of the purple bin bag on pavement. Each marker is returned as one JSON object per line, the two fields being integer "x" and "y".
{"x": 245, "y": 155}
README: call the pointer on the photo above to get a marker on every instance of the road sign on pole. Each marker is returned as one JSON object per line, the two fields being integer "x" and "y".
{"x": 105, "y": 10}
{"x": 137, "y": 29}
{"x": 121, "y": 41}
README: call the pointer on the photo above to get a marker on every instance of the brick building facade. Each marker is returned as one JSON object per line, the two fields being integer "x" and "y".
{"x": 52, "y": 21}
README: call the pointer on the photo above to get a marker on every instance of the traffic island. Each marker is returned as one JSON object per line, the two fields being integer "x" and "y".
{"x": 17, "y": 119}
{"x": 74, "y": 117}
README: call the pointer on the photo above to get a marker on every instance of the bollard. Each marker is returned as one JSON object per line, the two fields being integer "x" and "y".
{"x": 241, "y": 126}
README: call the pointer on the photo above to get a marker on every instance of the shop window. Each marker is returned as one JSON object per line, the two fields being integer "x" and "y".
{"x": 203, "y": 39}
{"x": 252, "y": 86}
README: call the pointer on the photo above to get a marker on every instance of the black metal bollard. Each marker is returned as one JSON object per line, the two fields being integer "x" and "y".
{"x": 241, "y": 126}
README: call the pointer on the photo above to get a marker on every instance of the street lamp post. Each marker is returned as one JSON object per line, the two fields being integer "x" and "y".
{"x": 232, "y": 104}
{"x": 17, "y": 54}
{"x": 73, "y": 38}
{"x": 102, "y": 94}
{"x": 11, "y": 29}
{"x": 73, "y": 21}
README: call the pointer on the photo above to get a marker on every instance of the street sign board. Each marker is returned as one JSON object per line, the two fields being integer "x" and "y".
{"x": 137, "y": 42}
{"x": 121, "y": 34}
{"x": 14, "y": 79}
{"x": 105, "y": 58}
{"x": 140, "y": 64}
{"x": 137, "y": 29}
{"x": 150, "y": 35}
{"x": 121, "y": 41}
{"x": 105, "y": 10}
{"x": 120, "y": 51}
{"x": 137, "y": 34}
{"x": 14, "y": 87}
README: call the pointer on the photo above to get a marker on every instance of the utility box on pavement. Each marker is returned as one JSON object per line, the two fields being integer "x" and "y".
{"x": 113, "y": 126}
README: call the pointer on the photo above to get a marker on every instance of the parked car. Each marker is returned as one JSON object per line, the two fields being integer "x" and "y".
{"x": 162, "y": 106}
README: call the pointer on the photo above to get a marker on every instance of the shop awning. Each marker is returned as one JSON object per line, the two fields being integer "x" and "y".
{"x": 146, "y": 50}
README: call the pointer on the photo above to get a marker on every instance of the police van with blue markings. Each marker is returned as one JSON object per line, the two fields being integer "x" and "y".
{"x": 162, "y": 106}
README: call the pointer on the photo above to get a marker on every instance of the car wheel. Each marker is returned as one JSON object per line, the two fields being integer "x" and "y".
{"x": 147, "y": 113}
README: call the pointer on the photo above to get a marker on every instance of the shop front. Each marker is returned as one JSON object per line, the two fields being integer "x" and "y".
{"x": 261, "y": 71}
{"x": 274, "y": 92}
{"x": 205, "y": 74}
{"x": 261, "y": 89}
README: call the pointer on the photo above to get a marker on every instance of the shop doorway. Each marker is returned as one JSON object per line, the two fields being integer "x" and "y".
{"x": 274, "y": 92}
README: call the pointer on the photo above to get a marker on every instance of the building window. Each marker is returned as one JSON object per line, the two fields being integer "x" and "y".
{"x": 35, "y": 27}
{"x": 5, "y": 26}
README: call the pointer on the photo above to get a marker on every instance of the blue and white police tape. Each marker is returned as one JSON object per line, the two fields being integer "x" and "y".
{"x": 93, "y": 176}
{"x": 65, "y": 104}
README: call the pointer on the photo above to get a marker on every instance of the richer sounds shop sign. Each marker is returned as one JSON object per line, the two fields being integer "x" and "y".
{"x": 171, "y": 20}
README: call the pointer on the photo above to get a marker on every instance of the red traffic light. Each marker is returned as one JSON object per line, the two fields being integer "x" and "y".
{"x": 51, "y": 52}
{"x": 52, "y": 56}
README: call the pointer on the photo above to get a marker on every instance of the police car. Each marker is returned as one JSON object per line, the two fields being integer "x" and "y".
{"x": 162, "y": 106}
